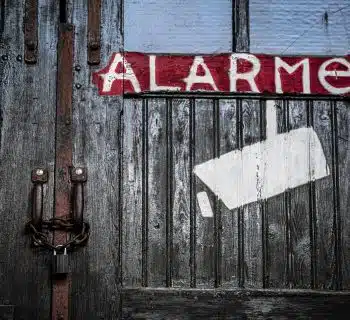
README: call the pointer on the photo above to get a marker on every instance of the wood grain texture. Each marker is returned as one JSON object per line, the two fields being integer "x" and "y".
{"x": 205, "y": 252}
{"x": 96, "y": 270}
{"x": 181, "y": 276}
{"x": 252, "y": 218}
{"x": 324, "y": 200}
{"x": 27, "y": 104}
{"x": 233, "y": 304}
{"x": 299, "y": 224}
{"x": 229, "y": 237}
{"x": 157, "y": 192}
{"x": 344, "y": 175}
{"x": 132, "y": 194}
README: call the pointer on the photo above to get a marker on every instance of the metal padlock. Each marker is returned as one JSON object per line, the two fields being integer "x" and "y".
{"x": 60, "y": 263}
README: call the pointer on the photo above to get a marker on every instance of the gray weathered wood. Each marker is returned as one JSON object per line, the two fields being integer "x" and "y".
{"x": 324, "y": 199}
{"x": 96, "y": 271}
{"x": 27, "y": 124}
{"x": 344, "y": 179}
{"x": 205, "y": 253}
{"x": 132, "y": 193}
{"x": 228, "y": 142}
{"x": 181, "y": 193}
{"x": 157, "y": 192}
{"x": 233, "y": 304}
{"x": 252, "y": 236}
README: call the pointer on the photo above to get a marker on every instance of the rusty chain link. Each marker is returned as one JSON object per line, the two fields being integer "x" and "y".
{"x": 42, "y": 239}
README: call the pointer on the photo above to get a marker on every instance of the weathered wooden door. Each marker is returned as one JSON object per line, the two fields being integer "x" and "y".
{"x": 165, "y": 242}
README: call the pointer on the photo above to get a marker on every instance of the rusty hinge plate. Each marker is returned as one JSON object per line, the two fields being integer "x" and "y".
{"x": 31, "y": 31}
{"x": 94, "y": 38}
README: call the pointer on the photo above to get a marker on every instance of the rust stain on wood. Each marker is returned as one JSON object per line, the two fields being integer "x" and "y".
{"x": 60, "y": 292}
{"x": 31, "y": 31}
{"x": 94, "y": 20}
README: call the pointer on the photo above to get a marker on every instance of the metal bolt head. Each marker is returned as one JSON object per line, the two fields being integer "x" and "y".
{"x": 4, "y": 57}
{"x": 77, "y": 68}
{"x": 39, "y": 172}
{"x": 79, "y": 171}
{"x": 19, "y": 58}
{"x": 78, "y": 85}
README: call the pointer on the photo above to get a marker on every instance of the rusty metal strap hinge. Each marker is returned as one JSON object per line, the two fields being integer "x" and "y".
{"x": 30, "y": 27}
{"x": 94, "y": 38}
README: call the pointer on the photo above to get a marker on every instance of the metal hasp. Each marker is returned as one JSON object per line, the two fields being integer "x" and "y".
{"x": 94, "y": 38}
{"x": 30, "y": 27}
{"x": 39, "y": 177}
{"x": 78, "y": 178}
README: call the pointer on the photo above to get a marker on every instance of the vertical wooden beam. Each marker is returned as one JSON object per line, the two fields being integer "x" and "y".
{"x": 60, "y": 286}
{"x": 337, "y": 282}
{"x": 217, "y": 204}
{"x": 312, "y": 210}
{"x": 240, "y": 26}
{"x": 240, "y": 212}
{"x": 169, "y": 200}
{"x": 193, "y": 211}
{"x": 145, "y": 192}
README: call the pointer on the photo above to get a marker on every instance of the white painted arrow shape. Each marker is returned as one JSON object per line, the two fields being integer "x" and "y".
{"x": 267, "y": 168}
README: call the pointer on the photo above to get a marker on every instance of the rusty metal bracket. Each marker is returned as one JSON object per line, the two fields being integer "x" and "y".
{"x": 30, "y": 27}
{"x": 94, "y": 38}
{"x": 39, "y": 177}
{"x": 78, "y": 177}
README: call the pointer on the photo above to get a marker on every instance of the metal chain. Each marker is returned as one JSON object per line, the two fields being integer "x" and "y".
{"x": 41, "y": 239}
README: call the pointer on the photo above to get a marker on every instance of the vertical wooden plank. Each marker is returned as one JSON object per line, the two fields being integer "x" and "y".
{"x": 324, "y": 199}
{"x": 228, "y": 142}
{"x": 132, "y": 193}
{"x": 299, "y": 211}
{"x": 252, "y": 236}
{"x": 193, "y": 204}
{"x": 145, "y": 192}
{"x": 181, "y": 193}
{"x": 96, "y": 269}
{"x": 27, "y": 132}
{"x": 277, "y": 264}
{"x": 204, "y": 225}
{"x": 157, "y": 192}
{"x": 344, "y": 174}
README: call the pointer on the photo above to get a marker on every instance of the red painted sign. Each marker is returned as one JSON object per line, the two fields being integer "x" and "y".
{"x": 132, "y": 72}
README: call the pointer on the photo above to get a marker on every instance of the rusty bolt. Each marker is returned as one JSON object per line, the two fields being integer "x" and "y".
{"x": 77, "y": 67}
{"x": 30, "y": 44}
{"x": 19, "y": 58}
{"x": 78, "y": 85}
{"x": 39, "y": 172}
{"x": 78, "y": 171}
{"x": 94, "y": 45}
{"x": 4, "y": 57}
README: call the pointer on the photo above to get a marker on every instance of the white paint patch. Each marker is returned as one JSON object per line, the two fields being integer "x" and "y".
{"x": 204, "y": 204}
{"x": 267, "y": 168}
